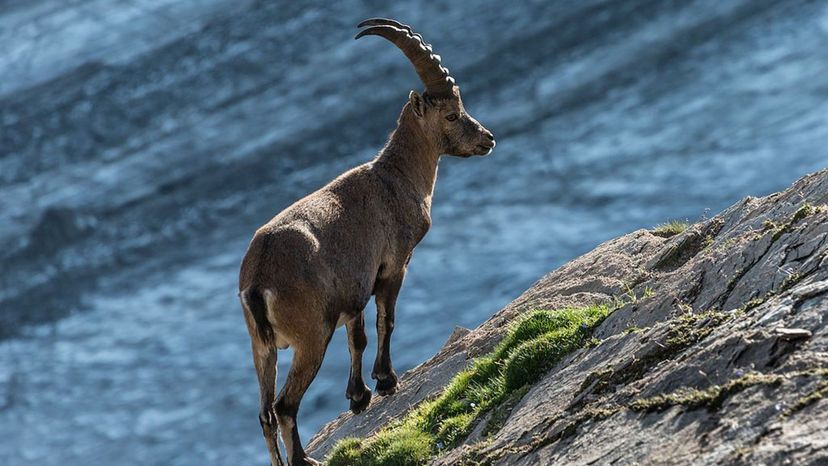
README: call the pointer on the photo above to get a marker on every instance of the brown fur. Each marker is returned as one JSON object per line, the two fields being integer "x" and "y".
{"x": 320, "y": 260}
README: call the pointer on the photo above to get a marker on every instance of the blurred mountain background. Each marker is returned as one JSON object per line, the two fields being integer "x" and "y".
{"x": 143, "y": 141}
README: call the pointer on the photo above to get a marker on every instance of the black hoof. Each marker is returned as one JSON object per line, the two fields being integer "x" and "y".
{"x": 359, "y": 399}
{"x": 387, "y": 386}
{"x": 359, "y": 405}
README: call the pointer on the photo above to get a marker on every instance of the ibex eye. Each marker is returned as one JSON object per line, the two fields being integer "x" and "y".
{"x": 451, "y": 117}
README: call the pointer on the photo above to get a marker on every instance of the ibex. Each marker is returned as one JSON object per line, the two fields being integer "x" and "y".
{"x": 315, "y": 266}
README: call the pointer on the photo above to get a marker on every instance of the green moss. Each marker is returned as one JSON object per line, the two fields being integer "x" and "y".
{"x": 769, "y": 225}
{"x": 592, "y": 413}
{"x": 789, "y": 282}
{"x": 670, "y": 228}
{"x": 753, "y": 303}
{"x": 711, "y": 397}
{"x": 598, "y": 413}
{"x": 688, "y": 329}
{"x": 806, "y": 210}
{"x": 597, "y": 380}
{"x": 531, "y": 348}
{"x": 812, "y": 397}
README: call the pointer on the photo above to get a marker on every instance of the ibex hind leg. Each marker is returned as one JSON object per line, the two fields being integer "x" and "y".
{"x": 264, "y": 359}
{"x": 306, "y": 361}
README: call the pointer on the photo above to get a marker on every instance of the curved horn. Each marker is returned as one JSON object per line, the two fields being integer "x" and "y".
{"x": 435, "y": 77}
{"x": 396, "y": 24}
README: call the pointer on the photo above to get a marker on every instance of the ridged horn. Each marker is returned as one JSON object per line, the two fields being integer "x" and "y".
{"x": 436, "y": 78}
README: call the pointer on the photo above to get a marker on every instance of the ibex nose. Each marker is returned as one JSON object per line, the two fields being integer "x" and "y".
{"x": 488, "y": 145}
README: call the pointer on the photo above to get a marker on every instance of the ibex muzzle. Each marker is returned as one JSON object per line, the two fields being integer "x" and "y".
{"x": 316, "y": 265}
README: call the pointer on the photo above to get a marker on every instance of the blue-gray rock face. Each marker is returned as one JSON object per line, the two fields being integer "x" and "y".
{"x": 142, "y": 142}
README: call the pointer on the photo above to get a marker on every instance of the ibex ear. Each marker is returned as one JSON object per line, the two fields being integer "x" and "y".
{"x": 417, "y": 103}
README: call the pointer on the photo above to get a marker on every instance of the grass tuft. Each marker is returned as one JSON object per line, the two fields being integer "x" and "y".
{"x": 533, "y": 358}
{"x": 670, "y": 228}
{"x": 532, "y": 347}
{"x": 403, "y": 445}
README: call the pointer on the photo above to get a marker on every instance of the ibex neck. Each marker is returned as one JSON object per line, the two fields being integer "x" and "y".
{"x": 410, "y": 156}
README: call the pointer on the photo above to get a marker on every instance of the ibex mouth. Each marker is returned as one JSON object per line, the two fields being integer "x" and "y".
{"x": 486, "y": 147}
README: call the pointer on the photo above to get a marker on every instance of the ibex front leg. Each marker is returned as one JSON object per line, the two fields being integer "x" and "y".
{"x": 383, "y": 372}
{"x": 357, "y": 392}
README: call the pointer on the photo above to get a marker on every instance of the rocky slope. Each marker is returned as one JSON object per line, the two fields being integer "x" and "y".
{"x": 717, "y": 354}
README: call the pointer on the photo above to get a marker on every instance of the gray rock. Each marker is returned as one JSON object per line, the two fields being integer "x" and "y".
{"x": 729, "y": 366}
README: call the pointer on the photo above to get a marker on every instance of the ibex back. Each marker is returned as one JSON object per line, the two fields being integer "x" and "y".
{"x": 315, "y": 266}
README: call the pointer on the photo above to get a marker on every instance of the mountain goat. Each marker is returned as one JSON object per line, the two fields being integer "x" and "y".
{"x": 315, "y": 266}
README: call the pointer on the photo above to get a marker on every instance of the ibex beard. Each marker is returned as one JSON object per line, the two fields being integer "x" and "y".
{"x": 315, "y": 266}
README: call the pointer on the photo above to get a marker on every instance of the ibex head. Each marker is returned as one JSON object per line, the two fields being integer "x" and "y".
{"x": 439, "y": 110}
